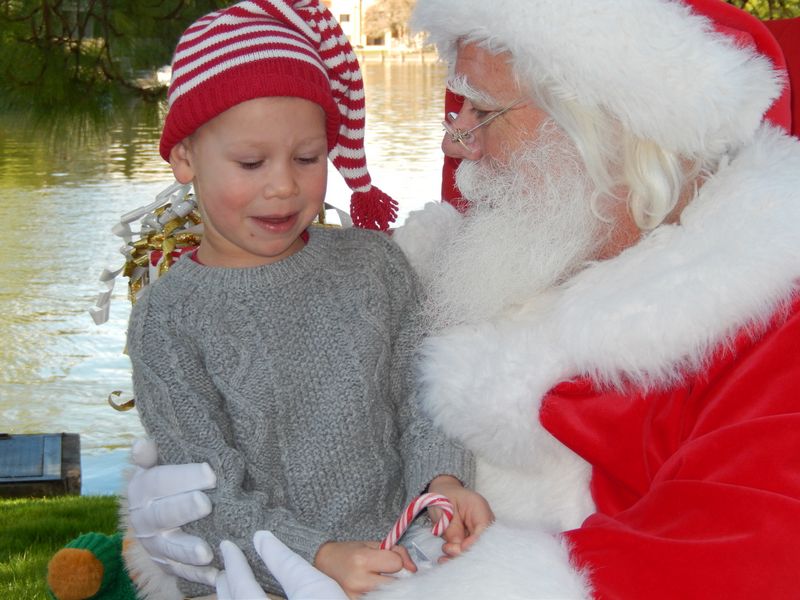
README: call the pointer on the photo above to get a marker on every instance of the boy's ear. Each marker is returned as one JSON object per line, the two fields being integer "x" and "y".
{"x": 181, "y": 163}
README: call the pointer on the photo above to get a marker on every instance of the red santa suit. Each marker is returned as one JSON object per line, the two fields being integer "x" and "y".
{"x": 637, "y": 428}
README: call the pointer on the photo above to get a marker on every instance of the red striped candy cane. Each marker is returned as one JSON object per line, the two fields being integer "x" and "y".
{"x": 416, "y": 506}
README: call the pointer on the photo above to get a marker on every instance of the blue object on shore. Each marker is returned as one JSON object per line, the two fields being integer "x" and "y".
{"x": 46, "y": 464}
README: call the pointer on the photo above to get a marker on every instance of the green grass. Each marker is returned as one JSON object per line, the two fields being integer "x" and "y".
{"x": 32, "y": 530}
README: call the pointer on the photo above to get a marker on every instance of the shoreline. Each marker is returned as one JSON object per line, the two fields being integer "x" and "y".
{"x": 401, "y": 55}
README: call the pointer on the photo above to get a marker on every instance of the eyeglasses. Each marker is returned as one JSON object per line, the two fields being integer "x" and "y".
{"x": 465, "y": 138}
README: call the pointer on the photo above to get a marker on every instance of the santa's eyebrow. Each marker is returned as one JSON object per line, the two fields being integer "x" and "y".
{"x": 458, "y": 84}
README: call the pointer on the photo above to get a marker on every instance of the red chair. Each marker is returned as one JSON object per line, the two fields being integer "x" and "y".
{"x": 450, "y": 193}
{"x": 787, "y": 34}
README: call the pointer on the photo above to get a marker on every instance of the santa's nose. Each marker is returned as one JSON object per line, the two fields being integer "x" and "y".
{"x": 459, "y": 142}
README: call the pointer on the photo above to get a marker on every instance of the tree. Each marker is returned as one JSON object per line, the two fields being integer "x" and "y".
{"x": 769, "y": 9}
{"x": 61, "y": 54}
{"x": 388, "y": 15}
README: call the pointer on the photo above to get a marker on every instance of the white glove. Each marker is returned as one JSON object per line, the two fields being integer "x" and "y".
{"x": 237, "y": 581}
{"x": 299, "y": 580}
{"x": 163, "y": 498}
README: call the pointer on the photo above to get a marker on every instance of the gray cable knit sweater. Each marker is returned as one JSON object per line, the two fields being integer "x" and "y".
{"x": 293, "y": 380}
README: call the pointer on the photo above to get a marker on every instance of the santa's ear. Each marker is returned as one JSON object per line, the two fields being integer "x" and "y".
{"x": 180, "y": 159}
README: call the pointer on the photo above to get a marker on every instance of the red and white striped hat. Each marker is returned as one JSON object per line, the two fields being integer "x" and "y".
{"x": 264, "y": 48}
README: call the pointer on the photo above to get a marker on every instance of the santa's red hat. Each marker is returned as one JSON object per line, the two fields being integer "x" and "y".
{"x": 695, "y": 76}
{"x": 263, "y": 48}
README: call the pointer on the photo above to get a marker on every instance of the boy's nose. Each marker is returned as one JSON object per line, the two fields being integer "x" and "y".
{"x": 282, "y": 183}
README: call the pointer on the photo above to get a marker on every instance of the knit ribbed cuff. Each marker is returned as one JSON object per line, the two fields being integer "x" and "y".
{"x": 303, "y": 540}
{"x": 445, "y": 459}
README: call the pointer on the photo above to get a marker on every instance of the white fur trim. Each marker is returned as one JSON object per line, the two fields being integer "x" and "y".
{"x": 423, "y": 231}
{"x": 479, "y": 380}
{"x": 650, "y": 315}
{"x": 554, "y": 496}
{"x": 658, "y": 310}
{"x": 509, "y": 561}
{"x": 653, "y": 64}
{"x": 150, "y": 581}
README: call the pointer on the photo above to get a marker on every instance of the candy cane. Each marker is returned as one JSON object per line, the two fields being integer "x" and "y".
{"x": 416, "y": 506}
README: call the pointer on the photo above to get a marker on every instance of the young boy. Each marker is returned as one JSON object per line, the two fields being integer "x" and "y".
{"x": 278, "y": 353}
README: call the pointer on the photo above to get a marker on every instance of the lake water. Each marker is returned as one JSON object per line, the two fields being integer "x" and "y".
{"x": 59, "y": 202}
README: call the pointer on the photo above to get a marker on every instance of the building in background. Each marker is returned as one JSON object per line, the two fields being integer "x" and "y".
{"x": 375, "y": 23}
{"x": 350, "y": 14}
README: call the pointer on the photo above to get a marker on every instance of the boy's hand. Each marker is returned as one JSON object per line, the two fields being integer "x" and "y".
{"x": 471, "y": 514}
{"x": 360, "y": 566}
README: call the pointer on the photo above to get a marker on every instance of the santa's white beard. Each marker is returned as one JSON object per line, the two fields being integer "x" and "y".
{"x": 529, "y": 227}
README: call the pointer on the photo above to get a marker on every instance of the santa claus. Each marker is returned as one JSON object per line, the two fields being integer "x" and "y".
{"x": 615, "y": 315}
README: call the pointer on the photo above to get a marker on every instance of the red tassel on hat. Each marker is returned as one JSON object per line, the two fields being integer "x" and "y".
{"x": 373, "y": 209}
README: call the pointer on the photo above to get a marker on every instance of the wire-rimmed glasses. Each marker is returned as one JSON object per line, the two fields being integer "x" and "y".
{"x": 465, "y": 138}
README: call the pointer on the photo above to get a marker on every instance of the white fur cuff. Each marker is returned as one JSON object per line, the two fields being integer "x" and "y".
{"x": 509, "y": 562}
